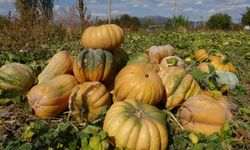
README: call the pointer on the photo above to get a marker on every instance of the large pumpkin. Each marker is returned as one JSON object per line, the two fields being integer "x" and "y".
{"x": 136, "y": 126}
{"x": 205, "y": 113}
{"x": 157, "y": 53}
{"x": 17, "y": 77}
{"x": 93, "y": 65}
{"x": 120, "y": 57}
{"x": 221, "y": 63}
{"x": 201, "y": 55}
{"x": 226, "y": 78}
{"x": 88, "y": 100}
{"x": 138, "y": 82}
{"x": 60, "y": 63}
{"x": 51, "y": 98}
{"x": 108, "y": 36}
{"x": 171, "y": 61}
{"x": 179, "y": 86}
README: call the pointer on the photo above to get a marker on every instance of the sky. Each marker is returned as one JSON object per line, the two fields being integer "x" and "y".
{"x": 195, "y": 10}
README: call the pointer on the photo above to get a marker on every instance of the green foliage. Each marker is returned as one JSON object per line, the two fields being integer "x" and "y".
{"x": 128, "y": 22}
{"x": 177, "y": 23}
{"x": 245, "y": 20}
{"x": 220, "y": 21}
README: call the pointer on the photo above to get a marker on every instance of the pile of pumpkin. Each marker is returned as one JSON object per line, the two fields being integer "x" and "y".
{"x": 99, "y": 77}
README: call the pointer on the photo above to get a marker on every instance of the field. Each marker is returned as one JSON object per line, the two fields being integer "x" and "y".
{"x": 19, "y": 128}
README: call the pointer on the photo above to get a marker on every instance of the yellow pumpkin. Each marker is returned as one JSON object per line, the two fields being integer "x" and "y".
{"x": 204, "y": 67}
{"x": 171, "y": 61}
{"x": 108, "y": 36}
{"x": 157, "y": 53}
{"x": 179, "y": 86}
{"x": 138, "y": 82}
{"x": 220, "y": 63}
{"x": 60, "y": 63}
{"x": 87, "y": 101}
{"x": 136, "y": 126}
{"x": 201, "y": 55}
{"x": 51, "y": 98}
{"x": 205, "y": 113}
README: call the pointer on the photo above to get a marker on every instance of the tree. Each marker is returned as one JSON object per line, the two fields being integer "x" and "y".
{"x": 245, "y": 20}
{"x": 46, "y": 8}
{"x": 128, "y": 22}
{"x": 220, "y": 21}
{"x": 83, "y": 13}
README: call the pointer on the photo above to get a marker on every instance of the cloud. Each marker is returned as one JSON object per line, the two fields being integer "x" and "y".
{"x": 188, "y": 9}
{"x": 93, "y": 1}
{"x": 198, "y": 3}
{"x": 6, "y": 1}
{"x": 160, "y": 4}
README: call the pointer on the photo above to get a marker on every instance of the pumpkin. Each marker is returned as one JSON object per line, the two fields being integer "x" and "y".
{"x": 108, "y": 36}
{"x": 179, "y": 86}
{"x": 136, "y": 126}
{"x": 93, "y": 65}
{"x": 87, "y": 101}
{"x": 171, "y": 61}
{"x": 205, "y": 113}
{"x": 120, "y": 58}
{"x": 157, "y": 53}
{"x": 226, "y": 79}
{"x": 204, "y": 67}
{"x": 60, "y": 63}
{"x": 201, "y": 55}
{"x": 220, "y": 63}
{"x": 16, "y": 77}
{"x": 51, "y": 98}
{"x": 138, "y": 82}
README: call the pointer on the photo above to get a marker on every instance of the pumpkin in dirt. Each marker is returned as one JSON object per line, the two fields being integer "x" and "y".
{"x": 93, "y": 65}
{"x": 136, "y": 126}
{"x": 201, "y": 55}
{"x": 51, "y": 98}
{"x": 205, "y": 113}
{"x": 120, "y": 58}
{"x": 157, "y": 53}
{"x": 16, "y": 77}
{"x": 179, "y": 86}
{"x": 88, "y": 100}
{"x": 171, "y": 61}
{"x": 221, "y": 63}
{"x": 138, "y": 82}
{"x": 108, "y": 36}
{"x": 60, "y": 63}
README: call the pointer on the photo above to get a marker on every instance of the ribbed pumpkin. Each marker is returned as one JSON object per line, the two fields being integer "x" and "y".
{"x": 201, "y": 55}
{"x": 51, "y": 98}
{"x": 221, "y": 64}
{"x": 93, "y": 65}
{"x": 171, "y": 61}
{"x": 138, "y": 82}
{"x": 204, "y": 67}
{"x": 60, "y": 63}
{"x": 17, "y": 77}
{"x": 227, "y": 79}
{"x": 87, "y": 101}
{"x": 205, "y": 113}
{"x": 136, "y": 126}
{"x": 120, "y": 57}
{"x": 108, "y": 36}
{"x": 157, "y": 53}
{"x": 179, "y": 86}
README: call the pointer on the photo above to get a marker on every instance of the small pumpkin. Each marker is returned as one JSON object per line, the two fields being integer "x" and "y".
{"x": 136, "y": 126}
{"x": 172, "y": 61}
{"x": 138, "y": 82}
{"x": 51, "y": 98}
{"x": 16, "y": 77}
{"x": 205, "y": 113}
{"x": 93, "y": 65}
{"x": 221, "y": 63}
{"x": 179, "y": 86}
{"x": 60, "y": 63}
{"x": 157, "y": 53}
{"x": 204, "y": 67}
{"x": 87, "y": 101}
{"x": 226, "y": 79}
{"x": 120, "y": 58}
{"x": 107, "y": 36}
{"x": 201, "y": 55}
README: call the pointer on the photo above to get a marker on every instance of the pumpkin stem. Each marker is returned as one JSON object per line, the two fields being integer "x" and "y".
{"x": 173, "y": 118}
{"x": 139, "y": 114}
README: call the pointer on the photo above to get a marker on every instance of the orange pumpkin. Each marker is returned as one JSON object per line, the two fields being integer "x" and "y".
{"x": 157, "y": 53}
{"x": 205, "y": 113}
{"x": 108, "y": 36}
{"x": 138, "y": 82}
{"x": 51, "y": 98}
{"x": 221, "y": 63}
{"x": 87, "y": 101}
{"x": 201, "y": 55}
{"x": 204, "y": 67}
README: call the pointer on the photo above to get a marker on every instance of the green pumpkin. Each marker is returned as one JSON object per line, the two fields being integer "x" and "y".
{"x": 120, "y": 58}
{"x": 17, "y": 77}
{"x": 226, "y": 78}
{"x": 93, "y": 65}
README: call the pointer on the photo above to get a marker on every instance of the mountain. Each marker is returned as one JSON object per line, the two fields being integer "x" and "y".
{"x": 159, "y": 19}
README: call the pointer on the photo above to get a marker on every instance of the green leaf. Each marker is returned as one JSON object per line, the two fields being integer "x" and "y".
{"x": 199, "y": 75}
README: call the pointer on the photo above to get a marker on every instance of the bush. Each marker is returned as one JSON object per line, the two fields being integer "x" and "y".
{"x": 177, "y": 23}
{"x": 220, "y": 21}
